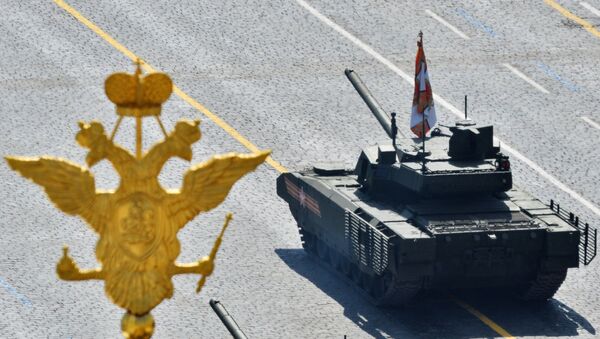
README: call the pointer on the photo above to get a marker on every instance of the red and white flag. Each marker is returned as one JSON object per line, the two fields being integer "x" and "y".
{"x": 423, "y": 109}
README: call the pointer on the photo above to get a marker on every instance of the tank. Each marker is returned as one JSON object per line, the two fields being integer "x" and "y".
{"x": 435, "y": 213}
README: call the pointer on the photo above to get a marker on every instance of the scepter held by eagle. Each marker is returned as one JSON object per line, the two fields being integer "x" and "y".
{"x": 213, "y": 252}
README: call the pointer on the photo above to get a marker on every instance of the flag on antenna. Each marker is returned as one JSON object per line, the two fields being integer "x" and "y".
{"x": 423, "y": 110}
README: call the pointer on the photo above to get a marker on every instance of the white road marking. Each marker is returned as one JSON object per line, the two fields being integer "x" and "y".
{"x": 526, "y": 78}
{"x": 590, "y": 8}
{"x": 448, "y": 106}
{"x": 591, "y": 122}
{"x": 447, "y": 24}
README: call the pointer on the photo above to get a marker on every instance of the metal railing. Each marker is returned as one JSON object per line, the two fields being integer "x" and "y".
{"x": 588, "y": 235}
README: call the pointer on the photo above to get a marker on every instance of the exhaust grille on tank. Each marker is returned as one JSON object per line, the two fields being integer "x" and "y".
{"x": 458, "y": 226}
{"x": 367, "y": 245}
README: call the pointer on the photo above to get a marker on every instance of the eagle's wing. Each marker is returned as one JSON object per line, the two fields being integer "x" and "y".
{"x": 70, "y": 187}
{"x": 207, "y": 184}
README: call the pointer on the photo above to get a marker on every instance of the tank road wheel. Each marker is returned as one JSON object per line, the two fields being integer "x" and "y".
{"x": 368, "y": 283}
{"x": 379, "y": 285}
{"x": 356, "y": 275}
{"x": 544, "y": 286}
{"x": 335, "y": 258}
{"x": 308, "y": 242}
{"x": 345, "y": 266}
{"x": 388, "y": 291}
{"x": 387, "y": 282}
{"x": 322, "y": 250}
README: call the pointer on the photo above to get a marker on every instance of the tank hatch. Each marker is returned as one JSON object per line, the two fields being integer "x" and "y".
{"x": 329, "y": 168}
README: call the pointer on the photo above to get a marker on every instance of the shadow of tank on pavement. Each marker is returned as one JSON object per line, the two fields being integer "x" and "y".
{"x": 522, "y": 318}
{"x": 433, "y": 314}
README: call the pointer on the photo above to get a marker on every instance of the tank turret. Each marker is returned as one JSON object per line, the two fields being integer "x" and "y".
{"x": 462, "y": 161}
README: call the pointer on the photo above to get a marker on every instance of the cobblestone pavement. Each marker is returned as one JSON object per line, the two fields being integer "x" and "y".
{"x": 274, "y": 72}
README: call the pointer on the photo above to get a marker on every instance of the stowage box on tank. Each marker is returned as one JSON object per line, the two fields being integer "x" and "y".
{"x": 448, "y": 216}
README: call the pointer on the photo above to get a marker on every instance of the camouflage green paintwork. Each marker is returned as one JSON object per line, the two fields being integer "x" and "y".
{"x": 404, "y": 220}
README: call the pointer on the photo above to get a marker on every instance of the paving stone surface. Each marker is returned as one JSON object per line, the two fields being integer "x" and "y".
{"x": 274, "y": 72}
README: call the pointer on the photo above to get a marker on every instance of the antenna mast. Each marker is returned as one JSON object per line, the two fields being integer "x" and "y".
{"x": 466, "y": 108}
{"x": 394, "y": 129}
{"x": 423, "y": 168}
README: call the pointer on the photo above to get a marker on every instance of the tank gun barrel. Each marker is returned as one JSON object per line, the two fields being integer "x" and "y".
{"x": 379, "y": 113}
{"x": 227, "y": 319}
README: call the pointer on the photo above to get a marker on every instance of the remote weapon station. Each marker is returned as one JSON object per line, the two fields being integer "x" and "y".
{"x": 409, "y": 218}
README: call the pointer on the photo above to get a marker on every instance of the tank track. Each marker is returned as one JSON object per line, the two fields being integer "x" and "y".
{"x": 544, "y": 286}
{"x": 384, "y": 290}
{"x": 399, "y": 293}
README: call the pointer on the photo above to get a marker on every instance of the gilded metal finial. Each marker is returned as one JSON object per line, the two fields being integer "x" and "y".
{"x": 138, "y": 221}
{"x": 138, "y": 67}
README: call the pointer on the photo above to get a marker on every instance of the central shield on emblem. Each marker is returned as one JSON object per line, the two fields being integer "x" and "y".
{"x": 138, "y": 219}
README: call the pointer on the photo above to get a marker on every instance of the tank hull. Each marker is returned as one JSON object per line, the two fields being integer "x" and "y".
{"x": 393, "y": 249}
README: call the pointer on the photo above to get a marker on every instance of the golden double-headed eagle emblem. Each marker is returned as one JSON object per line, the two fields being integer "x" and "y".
{"x": 137, "y": 222}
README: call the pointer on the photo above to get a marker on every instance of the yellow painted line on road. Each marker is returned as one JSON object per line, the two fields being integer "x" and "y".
{"x": 585, "y": 24}
{"x": 213, "y": 117}
{"x": 483, "y": 318}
